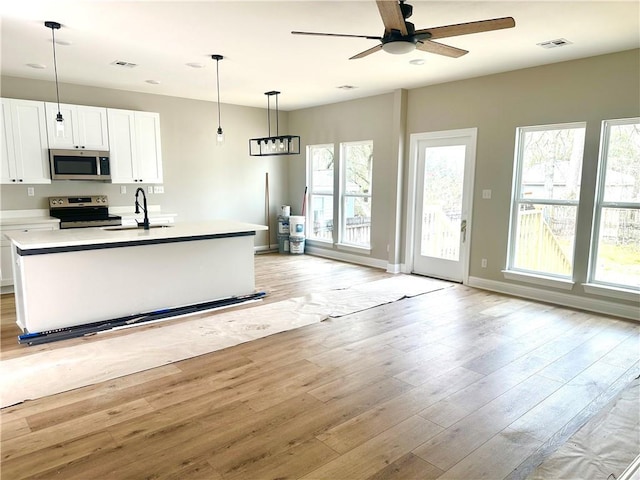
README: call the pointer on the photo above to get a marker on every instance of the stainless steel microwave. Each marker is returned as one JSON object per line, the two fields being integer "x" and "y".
{"x": 79, "y": 165}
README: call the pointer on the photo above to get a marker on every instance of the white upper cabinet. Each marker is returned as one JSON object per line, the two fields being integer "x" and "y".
{"x": 24, "y": 156}
{"x": 135, "y": 153}
{"x": 84, "y": 127}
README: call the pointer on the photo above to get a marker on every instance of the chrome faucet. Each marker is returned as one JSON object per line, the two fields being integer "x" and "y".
{"x": 145, "y": 223}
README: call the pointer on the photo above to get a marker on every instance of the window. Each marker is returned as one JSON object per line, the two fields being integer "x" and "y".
{"x": 355, "y": 212}
{"x": 546, "y": 190}
{"x": 615, "y": 244}
{"x": 321, "y": 166}
{"x": 340, "y": 193}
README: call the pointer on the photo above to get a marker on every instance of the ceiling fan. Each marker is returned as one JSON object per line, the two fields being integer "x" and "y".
{"x": 401, "y": 36}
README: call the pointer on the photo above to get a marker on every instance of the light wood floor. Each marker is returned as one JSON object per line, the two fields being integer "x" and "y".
{"x": 459, "y": 383}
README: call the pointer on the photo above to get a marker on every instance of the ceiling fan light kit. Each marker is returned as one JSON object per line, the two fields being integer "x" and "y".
{"x": 278, "y": 144}
{"x": 59, "y": 120}
{"x": 400, "y": 36}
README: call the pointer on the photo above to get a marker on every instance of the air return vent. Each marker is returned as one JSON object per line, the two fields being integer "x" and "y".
{"x": 121, "y": 63}
{"x": 560, "y": 42}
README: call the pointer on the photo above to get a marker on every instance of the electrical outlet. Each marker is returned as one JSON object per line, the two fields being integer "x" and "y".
{"x": 31, "y": 191}
{"x": 158, "y": 189}
{"x": 150, "y": 189}
{"x": 486, "y": 194}
{"x": 483, "y": 263}
{"x": 123, "y": 189}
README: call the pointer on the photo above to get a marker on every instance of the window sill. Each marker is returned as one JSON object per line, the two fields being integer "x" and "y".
{"x": 353, "y": 249}
{"x": 614, "y": 292}
{"x": 560, "y": 283}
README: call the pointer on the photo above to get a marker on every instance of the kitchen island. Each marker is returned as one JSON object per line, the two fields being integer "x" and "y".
{"x": 66, "y": 278}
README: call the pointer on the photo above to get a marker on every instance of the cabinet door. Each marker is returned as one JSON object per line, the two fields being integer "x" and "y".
{"x": 69, "y": 139}
{"x": 122, "y": 153}
{"x": 30, "y": 141}
{"x": 7, "y": 158}
{"x": 92, "y": 128}
{"x": 148, "y": 152}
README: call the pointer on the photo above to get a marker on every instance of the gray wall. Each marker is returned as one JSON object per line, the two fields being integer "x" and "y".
{"x": 201, "y": 181}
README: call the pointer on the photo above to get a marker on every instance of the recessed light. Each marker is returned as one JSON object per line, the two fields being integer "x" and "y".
{"x": 39, "y": 66}
{"x": 417, "y": 61}
{"x": 153, "y": 82}
{"x": 195, "y": 65}
{"x": 122, "y": 63}
{"x": 559, "y": 42}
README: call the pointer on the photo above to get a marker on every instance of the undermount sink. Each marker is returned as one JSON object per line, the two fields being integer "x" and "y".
{"x": 133, "y": 227}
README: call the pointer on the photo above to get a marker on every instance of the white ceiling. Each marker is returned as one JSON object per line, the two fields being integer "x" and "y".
{"x": 161, "y": 37}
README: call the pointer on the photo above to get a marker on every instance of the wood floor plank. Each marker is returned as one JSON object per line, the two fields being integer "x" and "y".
{"x": 496, "y": 458}
{"x": 408, "y": 467}
{"x": 377, "y": 453}
{"x": 361, "y": 428}
{"x": 456, "y": 442}
{"x": 71, "y": 429}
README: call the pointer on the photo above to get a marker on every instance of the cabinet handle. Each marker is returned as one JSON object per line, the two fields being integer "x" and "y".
{"x": 20, "y": 180}
{"x": 13, "y": 179}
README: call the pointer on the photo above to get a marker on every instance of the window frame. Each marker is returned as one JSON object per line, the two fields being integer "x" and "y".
{"x": 512, "y": 272}
{"x": 343, "y": 195}
{"x": 312, "y": 192}
{"x": 593, "y": 285}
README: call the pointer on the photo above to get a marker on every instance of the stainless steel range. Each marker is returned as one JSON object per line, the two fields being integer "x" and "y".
{"x": 77, "y": 212}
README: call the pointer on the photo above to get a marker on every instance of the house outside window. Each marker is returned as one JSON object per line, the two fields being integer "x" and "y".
{"x": 615, "y": 244}
{"x": 546, "y": 194}
{"x": 320, "y": 161}
{"x": 356, "y": 174}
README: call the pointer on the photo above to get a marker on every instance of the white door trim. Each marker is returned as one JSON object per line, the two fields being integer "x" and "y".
{"x": 414, "y": 138}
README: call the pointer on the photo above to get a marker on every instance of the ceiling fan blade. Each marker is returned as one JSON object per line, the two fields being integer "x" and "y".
{"x": 440, "y": 49}
{"x": 367, "y": 52}
{"x": 392, "y": 16}
{"x": 337, "y": 35}
{"x": 469, "y": 27}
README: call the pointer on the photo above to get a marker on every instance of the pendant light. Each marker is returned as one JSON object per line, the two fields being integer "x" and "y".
{"x": 278, "y": 145}
{"x": 219, "y": 133}
{"x": 59, "y": 120}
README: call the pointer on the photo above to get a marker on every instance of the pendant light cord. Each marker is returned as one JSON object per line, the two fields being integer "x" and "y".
{"x": 218, "y": 89}
{"x": 55, "y": 66}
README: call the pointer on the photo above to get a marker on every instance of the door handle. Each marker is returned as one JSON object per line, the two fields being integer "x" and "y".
{"x": 463, "y": 230}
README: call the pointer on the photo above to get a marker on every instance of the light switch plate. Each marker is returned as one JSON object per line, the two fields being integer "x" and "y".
{"x": 150, "y": 189}
{"x": 158, "y": 189}
{"x": 31, "y": 191}
{"x": 486, "y": 194}
{"x": 123, "y": 189}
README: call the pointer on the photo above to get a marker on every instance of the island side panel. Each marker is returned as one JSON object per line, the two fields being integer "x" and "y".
{"x": 60, "y": 290}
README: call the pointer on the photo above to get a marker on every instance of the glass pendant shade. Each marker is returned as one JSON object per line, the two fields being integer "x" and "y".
{"x": 220, "y": 136}
{"x": 59, "y": 125}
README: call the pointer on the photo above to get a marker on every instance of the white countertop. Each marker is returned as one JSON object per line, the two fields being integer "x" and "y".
{"x": 26, "y": 217}
{"x": 101, "y": 235}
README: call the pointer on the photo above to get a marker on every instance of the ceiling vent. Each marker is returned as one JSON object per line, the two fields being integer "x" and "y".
{"x": 346, "y": 87}
{"x": 121, "y": 63}
{"x": 560, "y": 42}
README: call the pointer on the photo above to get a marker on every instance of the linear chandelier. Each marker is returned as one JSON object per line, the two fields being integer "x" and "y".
{"x": 278, "y": 144}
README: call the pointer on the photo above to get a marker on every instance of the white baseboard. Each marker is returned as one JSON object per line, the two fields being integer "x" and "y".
{"x": 394, "y": 268}
{"x": 345, "y": 257}
{"x": 560, "y": 298}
